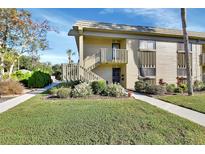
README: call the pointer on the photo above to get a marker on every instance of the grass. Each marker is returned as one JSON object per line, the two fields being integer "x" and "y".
{"x": 86, "y": 121}
{"x": 196, "y": 102}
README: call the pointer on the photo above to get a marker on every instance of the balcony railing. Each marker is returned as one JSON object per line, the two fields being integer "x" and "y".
{"x": 113, "y": 56}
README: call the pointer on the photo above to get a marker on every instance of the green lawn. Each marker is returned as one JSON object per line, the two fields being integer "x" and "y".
{"x": 196, "y": 102}
{"x": 86, "y": 121}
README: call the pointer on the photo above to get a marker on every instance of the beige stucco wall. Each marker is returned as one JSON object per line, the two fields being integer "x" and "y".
{"x": 131, "y": 67}
{"x": 93, "y": 45}
{"x": 166, "y": 61}
{"x": 197, "y": 69}
{"x": 105, "y": 71}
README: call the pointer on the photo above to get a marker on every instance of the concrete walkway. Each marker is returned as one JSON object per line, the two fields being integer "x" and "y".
{"x": 4, "y": 106}
{"x": 191, "y": 115}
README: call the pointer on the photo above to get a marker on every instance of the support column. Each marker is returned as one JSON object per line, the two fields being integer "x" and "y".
{"x": 81, "y": 49}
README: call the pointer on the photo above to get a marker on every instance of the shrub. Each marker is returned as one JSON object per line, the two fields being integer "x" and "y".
{"x": 63, "y": 92}
{"x": 53, "y": 91}
{"x": 5, "y": 76}
{"x": 170, "y": 88}
{"x": 81, "y": 90}
{"x": 183, "y": 87}
{"x": 75, "y": 82}
{"x": 178, "y": 90}
{"x": 161, "y": 82}
{"x": 39, "y": 80}
{"x": 10, "y": 87}
{"x": 155, "y": 89}
{"x": 19, "y": 75}
{"x": 114, "y": 90}
{"x": 198, "y": 85}
{"x": 98, "y": 86}
{"x": 140, "y": 86}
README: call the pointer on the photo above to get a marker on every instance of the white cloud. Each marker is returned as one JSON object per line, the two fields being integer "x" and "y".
{"x": 161, "y": 17}
{"x": 167, "y": 18}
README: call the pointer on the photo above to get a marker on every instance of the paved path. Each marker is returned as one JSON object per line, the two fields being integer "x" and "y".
{"x": 4, "y": 106}
{"x": 191, "y": 115}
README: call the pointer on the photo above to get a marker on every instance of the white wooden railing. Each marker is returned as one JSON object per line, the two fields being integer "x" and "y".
{"x": 72, "y": 72}
{"x": 114, "y": 56}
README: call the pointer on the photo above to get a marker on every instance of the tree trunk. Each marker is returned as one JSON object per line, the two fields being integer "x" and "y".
{"x": 186, "y": 48}
{"x": 2, "y": 64}
{"x": 11, "y": 69}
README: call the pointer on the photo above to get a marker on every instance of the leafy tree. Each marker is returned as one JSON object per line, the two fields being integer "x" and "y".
{"x": 20, "y": 33}
{"x": 186, "y": 47}
{"x": 10, "y": 59}
{"x": 28, "y": 62}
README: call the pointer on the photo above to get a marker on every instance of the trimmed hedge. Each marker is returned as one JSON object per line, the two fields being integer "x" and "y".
{"x": 39, "y": 80}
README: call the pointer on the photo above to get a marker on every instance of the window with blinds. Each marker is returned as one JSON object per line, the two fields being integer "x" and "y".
{"x": 147, "y": 44}
{"x": 181, "y": 63}
{"x": 147, "y": 63}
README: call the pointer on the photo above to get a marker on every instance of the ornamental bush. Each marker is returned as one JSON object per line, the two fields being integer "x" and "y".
{"x": 39, "y": 80}
{"x": 170, "y": 88}
{"x": 114, "y": 90}
{"x": 10, "y": 87}
{"x": 155, "y": 89}
{"x": 198, "y": 85}
{"x": 81, "y": 90}
{"x": 183, "y": 87}
{"x": 178, "y": 90}
{"x": 140, "y": 86}
{"x": 20, "y": 75}
{"x": 53, "y": 91}
{"x": 63, "y": 92}
{"x": 98, "y": 86}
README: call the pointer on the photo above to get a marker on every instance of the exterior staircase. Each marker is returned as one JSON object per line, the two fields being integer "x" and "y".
{"x": 85, "y": 73}
{"x": 72, "y": 72}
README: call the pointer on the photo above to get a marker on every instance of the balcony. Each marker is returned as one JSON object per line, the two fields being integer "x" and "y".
{"x": 113, "y": 56}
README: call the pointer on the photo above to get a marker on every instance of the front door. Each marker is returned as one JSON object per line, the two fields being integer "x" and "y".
{"x": 114, "y": 47}
{"x": 116, "y": 75}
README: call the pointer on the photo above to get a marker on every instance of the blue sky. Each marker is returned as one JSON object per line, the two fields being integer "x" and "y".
{"x": 63, "y": 19}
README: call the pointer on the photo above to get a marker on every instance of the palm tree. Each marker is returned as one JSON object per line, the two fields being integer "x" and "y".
{"x": 70, "y": 53}
{"x": 186, "y": 48}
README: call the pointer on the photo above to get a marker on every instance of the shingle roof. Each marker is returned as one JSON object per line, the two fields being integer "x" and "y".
{"x": 93, "y": 25}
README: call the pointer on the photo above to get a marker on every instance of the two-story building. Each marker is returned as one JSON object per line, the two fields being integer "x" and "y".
{"x": 124, "y": 53}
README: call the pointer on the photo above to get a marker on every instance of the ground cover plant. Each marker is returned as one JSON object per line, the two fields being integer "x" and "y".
{"x": 196, "y": 102}
{"x": 95, "y": 121}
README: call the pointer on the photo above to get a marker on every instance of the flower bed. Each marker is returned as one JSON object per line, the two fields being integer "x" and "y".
{"x": 79, "y": 89}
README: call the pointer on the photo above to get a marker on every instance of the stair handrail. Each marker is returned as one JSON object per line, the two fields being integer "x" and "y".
{"x": 96, "y": 58}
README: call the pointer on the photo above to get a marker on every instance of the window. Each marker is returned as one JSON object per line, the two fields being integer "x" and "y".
{"x": 147, "y": 44}
{"x": 180, "y": 46}
{"x": 181, "y": 63}
{"x": 147, "y": 63}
